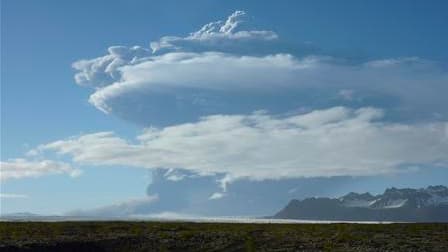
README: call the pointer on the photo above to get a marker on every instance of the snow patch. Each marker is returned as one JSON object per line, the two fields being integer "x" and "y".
{"x": 396, "y": 203}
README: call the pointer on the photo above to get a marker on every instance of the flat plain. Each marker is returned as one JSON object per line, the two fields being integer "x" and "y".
{"x": 191, "y": 236}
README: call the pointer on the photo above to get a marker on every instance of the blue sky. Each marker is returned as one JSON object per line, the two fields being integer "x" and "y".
{"x": 378, "y": 68}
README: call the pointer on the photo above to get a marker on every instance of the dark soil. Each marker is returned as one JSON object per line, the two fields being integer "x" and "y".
{"x": 184, "y": 236}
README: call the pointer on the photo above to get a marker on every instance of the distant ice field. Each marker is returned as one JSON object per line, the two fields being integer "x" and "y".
{"x": 171, "y": 217}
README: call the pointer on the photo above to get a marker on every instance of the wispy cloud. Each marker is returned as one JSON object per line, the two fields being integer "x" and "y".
{"x": 22, "y": 168}
{"x": 216, "y": 195}
{"x": 13, "y": 196}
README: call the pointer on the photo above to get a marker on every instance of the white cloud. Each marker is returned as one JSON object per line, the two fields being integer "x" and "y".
{"x": 216, "y": 36}
{"x": 216, "y": 195}
{"x": 126, "y": 208}
{"x": 230, "y": 55}
{"x": 12, "y": 196}
{"x": 21, "y": 168}
{"x": 234, "y": 35}
{"x": 417, "y": 84}
{"x": 104, "y": 70}
{"x": 212, "y": 71}
{"x": 174, "y": 175}
{"x": 331, "y": 142}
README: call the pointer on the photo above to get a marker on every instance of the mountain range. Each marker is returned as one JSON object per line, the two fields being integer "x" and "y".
{"x": 408, "y": 205}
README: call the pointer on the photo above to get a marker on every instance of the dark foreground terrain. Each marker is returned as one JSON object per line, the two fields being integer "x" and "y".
{"x": 184, "y": 236}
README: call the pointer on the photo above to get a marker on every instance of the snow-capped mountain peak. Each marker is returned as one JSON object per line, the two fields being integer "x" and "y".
{"x": 395, "y": 198}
